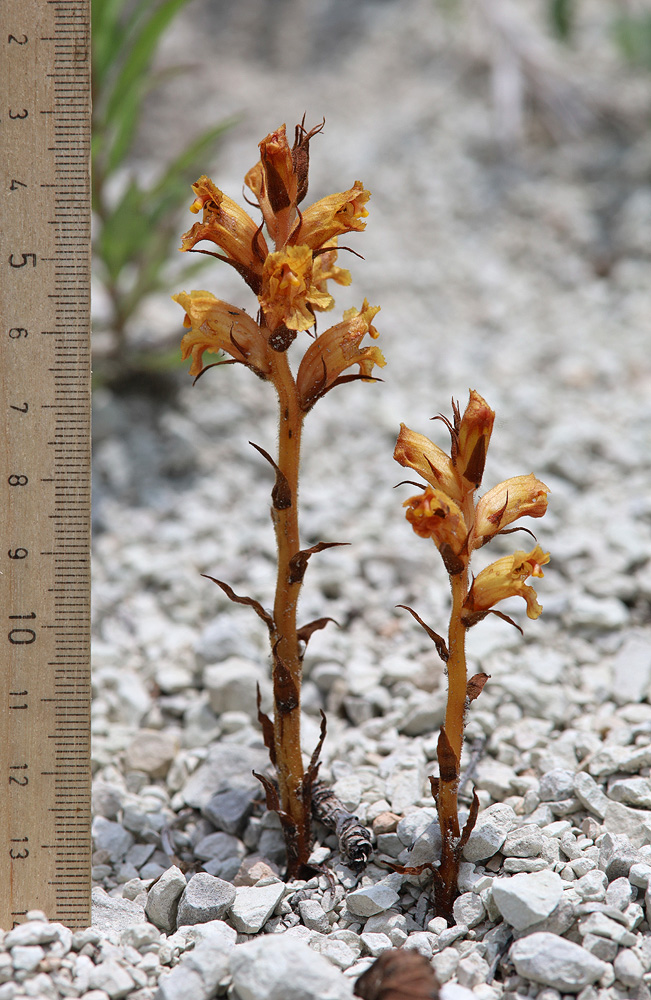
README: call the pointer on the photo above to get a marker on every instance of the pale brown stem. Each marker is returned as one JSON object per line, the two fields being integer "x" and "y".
{"x": 287, "y": 661}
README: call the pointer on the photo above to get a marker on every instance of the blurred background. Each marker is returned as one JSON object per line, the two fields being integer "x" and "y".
{"x": 493, "y": 134}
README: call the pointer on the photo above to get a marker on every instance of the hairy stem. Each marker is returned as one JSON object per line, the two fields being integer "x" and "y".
{"x": 286, "y": 659}
{"x": 447, "y": 802}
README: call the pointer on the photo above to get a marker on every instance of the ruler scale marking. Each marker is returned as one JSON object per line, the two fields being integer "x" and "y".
{"x": 45, "y": 285}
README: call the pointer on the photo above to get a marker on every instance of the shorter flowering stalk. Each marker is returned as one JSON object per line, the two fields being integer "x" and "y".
{"x": 446, "y": 512}
{"x": 287, "y": 261}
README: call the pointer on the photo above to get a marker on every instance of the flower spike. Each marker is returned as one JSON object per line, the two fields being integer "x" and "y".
{"x": 447, "y": 513}
{"x": 288, "y": 261}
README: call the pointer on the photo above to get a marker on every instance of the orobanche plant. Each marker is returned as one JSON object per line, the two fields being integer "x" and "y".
{"x": 458, "y": 524}
{"x": 287, "y": 259}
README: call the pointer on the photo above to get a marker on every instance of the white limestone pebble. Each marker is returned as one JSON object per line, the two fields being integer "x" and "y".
{"x": 163, "y": 899}
{"x": 278, "y": 967}
{"x": 205, "y": 897}
{"x": 152, "y": 751}
{"x": 113, "y": 914}
{"x": 314, "y": 916}
{"x": 111, "y": 977}
{"x": 200, "y": 970}
{"x": 589, "y": 794}
{"x": 27, "y": 956}
{"x": 553, "y": 961}
{"x": 375, "y": 943}
{"x": 29, "y": 933}
{"x": 371, "y": 899}
{"x": 490, "y": 832}
{"x": 525, "y": 899}
{"x": 468, "y": 909}
{"x": 628, "y": 968}
{"x": 254, "y": 904}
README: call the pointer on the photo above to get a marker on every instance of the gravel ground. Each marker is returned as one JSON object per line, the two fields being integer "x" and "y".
{"x": 521, "y": 273}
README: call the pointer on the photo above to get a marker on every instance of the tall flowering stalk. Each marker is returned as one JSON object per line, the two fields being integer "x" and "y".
{"x": 448, "y": 513}
{"x": 287, "y": 260}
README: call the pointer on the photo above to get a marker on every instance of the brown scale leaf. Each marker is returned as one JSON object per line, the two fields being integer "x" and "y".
{"x": 470, "y": 822}
{"x": 398, "y": 975}
{"x": 448, "y": 763}
{"x": 437, "y": 639}
{"x": 267, "y": 727}
{"x": 298, "y": 562}
{"x": 475, "y": 686}
{"x": 281, "y": 494}
{"x": 453, "y": 563}
{"x": 305, "y": 631}
{"x": 257, "y": 607}
{"x": 286, "y": 694}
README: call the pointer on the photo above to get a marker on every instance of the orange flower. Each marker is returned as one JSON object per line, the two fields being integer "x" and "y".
{"x": 434, "y": 515}
{"x": 288, "y": 291}
{"x": 472, "y": 438}
{"x": 231, "y": 228}
{"x": 417, "y": 452}
{"x": 336, "y": 350}
{"x": 521, "y": 496}
{"x": 217, "y": 326}
{"x": 274, "y": 182}
{"x": 324, "y": 269}
{"x": 332, "y": 216}
{"x": 505, "y": 578}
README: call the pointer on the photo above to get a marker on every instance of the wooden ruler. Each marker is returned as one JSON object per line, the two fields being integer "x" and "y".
{"x": 45, "y": 461}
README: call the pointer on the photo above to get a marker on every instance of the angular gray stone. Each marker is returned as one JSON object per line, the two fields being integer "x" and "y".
{"x": 553, "y": 961}
{"x": 632, "y": 823}
{"x": 556, "y": 785}
{"x": 628, "y": 968}
{"x": 468, "y": 909}
{"x": 632, "y": 792}
{"x": 490, "y": 832}
{"x": 204, "y": 898}
{"x": 590, "y": 794}
{"x": 226, "y": 766}
{"x": 111, "y": 837}
{"x": 314, "y": 916}
{"x": 200, "y": 970}
{"x": 603, "y": 926}
{"x": 112, "y": 978}
{"x": 114, "y": 914}
{"x": 632, "y": 670}
{"x": 254, "y": 904}
{"x": 523, "y": 842}
{"x": 616, "y": 855}
{"x": 219, "y": 846}
{"x": 31, "y": 932}
{"x": 230, "y": 809}
{"x": 163, "y": 899}
{"x": 372, "y": 899}
{"x": 526, "y": 899}
{"x": 232, "y": 686}
{"x": 277, "y": 967}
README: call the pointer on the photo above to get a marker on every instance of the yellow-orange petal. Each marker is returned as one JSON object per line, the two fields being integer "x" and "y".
{"x": 324, "y": 270}
{"x": 287, "y": 290}
{"x": 332, "y": 216}
{"x": 415, "y": 451}
{"x": 227, "y": 225}
{"x": 335, "y": 350}
{"x": 433, "y": 514}
{"x": 520, "y": 496}
{"x": 218, "y": 326}
{"x": 506, "y": 578}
